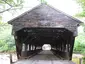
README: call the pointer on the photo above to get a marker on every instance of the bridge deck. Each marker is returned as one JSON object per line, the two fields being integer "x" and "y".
{"x": 44, "y": 57}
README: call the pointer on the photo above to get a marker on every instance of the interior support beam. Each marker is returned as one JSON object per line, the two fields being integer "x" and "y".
{"x": 29, "y": 47}
{"x": 35, "y": 47}
{"x": 67, "y": 49}
{"x": 26, "y": 46}
{"x": 32, "y": 47}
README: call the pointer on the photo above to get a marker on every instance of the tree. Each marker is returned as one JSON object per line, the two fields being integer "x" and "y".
{"x": 82, "y": 4}
{"x": 6, "y": 5}
{"x": 6, "y": 40}
{"x": 82, "y": 14}
{"x": 43, "y": 1}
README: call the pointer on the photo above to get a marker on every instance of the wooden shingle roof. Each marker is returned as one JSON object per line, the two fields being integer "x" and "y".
{"x": 44, "y": 16}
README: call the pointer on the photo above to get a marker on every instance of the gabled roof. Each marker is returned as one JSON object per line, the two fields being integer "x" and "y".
{"x": 44, "y": 16}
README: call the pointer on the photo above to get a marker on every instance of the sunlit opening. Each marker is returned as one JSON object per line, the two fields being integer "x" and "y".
{"x": 46, "y": 47}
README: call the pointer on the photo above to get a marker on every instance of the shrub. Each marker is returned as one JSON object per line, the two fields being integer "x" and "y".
{"x": 83, "y": 60}
{"x": 79, "y": 45}
{"x": 6, "y": 40}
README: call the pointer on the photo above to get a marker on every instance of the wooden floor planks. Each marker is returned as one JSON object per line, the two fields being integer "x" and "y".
{"x": 44, "y": 57}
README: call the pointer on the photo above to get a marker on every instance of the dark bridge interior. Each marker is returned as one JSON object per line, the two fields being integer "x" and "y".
{"x": 29, "y": 41}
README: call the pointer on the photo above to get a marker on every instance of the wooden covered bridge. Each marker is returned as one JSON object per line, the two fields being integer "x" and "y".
{"x": 44, "y": 25}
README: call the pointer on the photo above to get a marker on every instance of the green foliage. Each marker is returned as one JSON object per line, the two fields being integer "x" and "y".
{"x": 11, "y": 2}
{"x": 84, "y": 27}
{"x": 82, "y": 4}
{"x": 80, "y": 43}
{"x": 83, "y": 60}
{"x": 43, "y": 1}
{"x": 6, "y": 40}
{"x": 81, "y": 14}
{"x": 6, "y": 5}
{"x": 0, "y": 18}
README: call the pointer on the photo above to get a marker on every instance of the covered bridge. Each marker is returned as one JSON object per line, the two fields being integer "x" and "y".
{"x": 44, "y": 25}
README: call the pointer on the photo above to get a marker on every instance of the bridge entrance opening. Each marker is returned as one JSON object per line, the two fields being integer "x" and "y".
{"x": 59, "y": 40}
{"x": 46, "y": 47}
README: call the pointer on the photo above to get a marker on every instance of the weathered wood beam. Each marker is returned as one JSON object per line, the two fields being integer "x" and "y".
{"x": 72, "y": 45}
{"x": 18, "y": 45}
{"x": 29, "y": 47}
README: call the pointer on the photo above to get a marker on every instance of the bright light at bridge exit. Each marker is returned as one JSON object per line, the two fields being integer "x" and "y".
{"x": 46, "y": 47}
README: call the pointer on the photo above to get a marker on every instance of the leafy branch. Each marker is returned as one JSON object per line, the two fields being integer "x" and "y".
{"x": 12, "y": 5}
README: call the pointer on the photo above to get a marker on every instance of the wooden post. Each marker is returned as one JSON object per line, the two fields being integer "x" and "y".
{"x": 26, "y": 46}
{"x": 41, "y": 47}
{"x": 29, "y": 47}
{"x": 61, "y": 46}
{"x": 35, "y": 47}
{"x": 72, "y": 45}
{"x": 68, "y": 49}
{"x": 18, "y": 46}
{"x": 56, "y": 46}
{"x": 32, "y": 47}
{"x": 26, "y": 50}
{"x": 64, "y": 48}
